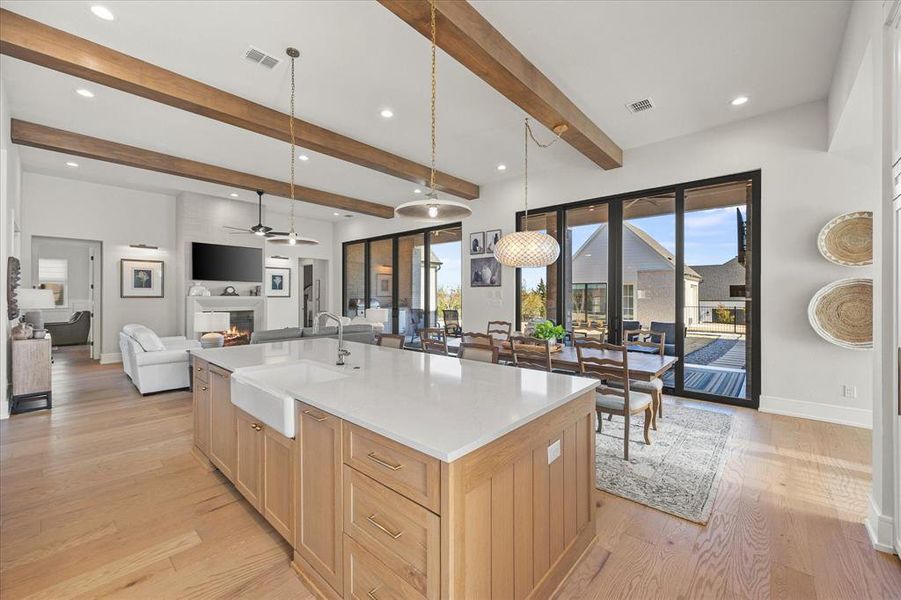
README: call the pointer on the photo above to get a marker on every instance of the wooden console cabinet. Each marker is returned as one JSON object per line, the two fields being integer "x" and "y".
{"x": 31, "y": 368}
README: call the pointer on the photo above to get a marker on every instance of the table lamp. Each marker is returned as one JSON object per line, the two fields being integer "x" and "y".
{"x": 211, "y": 325}
{"x": 31, "y": 301}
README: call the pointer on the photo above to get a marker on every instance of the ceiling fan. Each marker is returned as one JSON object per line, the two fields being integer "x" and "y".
{"x": 259, "y": 228}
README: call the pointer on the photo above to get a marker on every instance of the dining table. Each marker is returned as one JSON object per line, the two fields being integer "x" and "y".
{"x": 643, "y": 366}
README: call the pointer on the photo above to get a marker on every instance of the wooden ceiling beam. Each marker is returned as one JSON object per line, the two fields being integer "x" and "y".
{"x": 467, "y": 36}
{"x": 40, "y": 44}
{"x": 58, "y": 140}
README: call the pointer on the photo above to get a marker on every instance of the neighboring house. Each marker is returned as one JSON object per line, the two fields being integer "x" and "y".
{"x": 717, "y": 280}
{"x": 648, "y": 271}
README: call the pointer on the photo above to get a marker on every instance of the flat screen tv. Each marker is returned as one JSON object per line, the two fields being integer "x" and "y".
{"x": 213, "y": 262}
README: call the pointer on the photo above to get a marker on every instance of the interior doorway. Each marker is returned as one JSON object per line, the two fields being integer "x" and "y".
{"x": 313, "y": 285}
{"x": 72, "y": 270}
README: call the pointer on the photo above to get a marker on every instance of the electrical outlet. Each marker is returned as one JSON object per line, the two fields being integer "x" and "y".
{"x": 553, "y": 452}
{"x": 849, "y": 391}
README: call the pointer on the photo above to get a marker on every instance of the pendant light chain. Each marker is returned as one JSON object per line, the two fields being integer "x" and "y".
{"x": 527, "y": 133}
{"x": 291, "y": 125}
{"x": 434, "y": 94}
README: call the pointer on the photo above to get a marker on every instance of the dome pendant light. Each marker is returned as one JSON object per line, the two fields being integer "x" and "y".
{"x": 433, "y": 208}
{"x": 292, "y": 238}
{"x": 523, "y": 249}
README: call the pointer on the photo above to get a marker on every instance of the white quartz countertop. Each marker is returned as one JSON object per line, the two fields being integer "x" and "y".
{"x": 440, "y": 405}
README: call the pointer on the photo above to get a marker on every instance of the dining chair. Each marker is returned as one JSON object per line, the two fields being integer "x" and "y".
{"x": 649, "y": 342}
{"x": 391, "y": 340}
{"x": 500, "y": 330}
{"x": 531, "y": 352}
{"x": 416, "y": 315}
{"x": 434, "y": 340}
{"x": 474, "y": 337}
{"x": 481, "y": 352}
{"x": 620, "y": 400}
{"x": 452, "y": 322}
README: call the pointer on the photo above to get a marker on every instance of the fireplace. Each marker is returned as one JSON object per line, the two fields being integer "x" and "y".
{"x": 241, "y": 326}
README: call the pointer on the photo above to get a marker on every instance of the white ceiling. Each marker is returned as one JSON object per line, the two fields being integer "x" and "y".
{"x": 357, "y": 58}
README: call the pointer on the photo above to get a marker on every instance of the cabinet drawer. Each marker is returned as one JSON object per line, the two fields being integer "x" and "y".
{"x": 405, "y": 471}
{"x": 201, "y": 370}
{"x": 365, "y": 578}
{"x": 402, "y": 534}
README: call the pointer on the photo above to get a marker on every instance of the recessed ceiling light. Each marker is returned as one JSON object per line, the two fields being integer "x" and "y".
{"x": 84, "y": 93}
{"x": 588, "y": 255}
{"x": 387, "y": 113}
{"x": 71, "y": 164}
{"x": 502, "y": 167}
{"x": 233, "y": 195}
{"x": 303, "y": 157}
{"x": 417, "y": 191}
{"x": 739, "y": 100}
{"x": 337, "y": 214}
{"x": 102, "y": 12}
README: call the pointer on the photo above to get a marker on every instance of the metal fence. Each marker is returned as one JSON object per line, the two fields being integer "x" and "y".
{"x": 715, "y": 319}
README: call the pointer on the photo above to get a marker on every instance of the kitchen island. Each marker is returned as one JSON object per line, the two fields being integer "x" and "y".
{"x": 402, "y": 474}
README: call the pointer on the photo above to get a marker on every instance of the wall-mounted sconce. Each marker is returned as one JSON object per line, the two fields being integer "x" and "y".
{"x": 144, "y": 246}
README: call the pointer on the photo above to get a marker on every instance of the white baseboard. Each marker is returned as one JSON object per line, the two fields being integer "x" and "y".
{"x": 831, "y": 413}
{"x": 108, "y": 358}
{"x": 880, "y": 528}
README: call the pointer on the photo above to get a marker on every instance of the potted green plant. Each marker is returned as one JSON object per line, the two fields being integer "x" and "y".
{"x": 548, "y": 331}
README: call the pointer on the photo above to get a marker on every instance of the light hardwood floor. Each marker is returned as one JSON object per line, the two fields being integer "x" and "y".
{"x": 102, "y": 497}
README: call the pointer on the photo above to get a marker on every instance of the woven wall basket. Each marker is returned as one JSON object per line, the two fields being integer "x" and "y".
{"x": 848, "y": 239}
{"x": 842, "y": 313}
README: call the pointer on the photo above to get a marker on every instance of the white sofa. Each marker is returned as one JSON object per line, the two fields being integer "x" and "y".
{"x": 155, "y": 364}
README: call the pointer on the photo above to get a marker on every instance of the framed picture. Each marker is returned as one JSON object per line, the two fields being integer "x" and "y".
{"x": 141, "y": 278}
{"x": 278, "y": 282}
{"x": 383, "y": 284}
{"x": 477, "y": 243}
{"x": 491, "y": 239}
{"x": 485, "y": 272}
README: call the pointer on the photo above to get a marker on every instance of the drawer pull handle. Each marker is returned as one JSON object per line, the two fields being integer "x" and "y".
{"x": 393, "y": 534}
{"x": 316, "y": 417}
{"x": 371, "y": 594}
{"x": 375, "y": 458}
{"x": 203, "y": 388}
{"x": 200, "y": 368}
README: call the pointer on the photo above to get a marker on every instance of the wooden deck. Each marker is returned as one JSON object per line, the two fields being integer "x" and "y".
{"x": 101, "y": 497}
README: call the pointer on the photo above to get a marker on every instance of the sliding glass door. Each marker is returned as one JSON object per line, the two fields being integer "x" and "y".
{"x": 405, "y": 281}
{"x": 678, "y": 261}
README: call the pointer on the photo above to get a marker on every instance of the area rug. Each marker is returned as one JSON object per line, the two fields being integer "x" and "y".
{"x": 679, "y": 473}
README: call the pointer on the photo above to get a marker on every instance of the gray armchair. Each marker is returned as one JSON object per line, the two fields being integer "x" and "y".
{"x": 668, "y": 328}
{"x": 73, "y": 332}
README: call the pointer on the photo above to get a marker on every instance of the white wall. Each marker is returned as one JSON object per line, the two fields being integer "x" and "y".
{"x": 201, "y": 218}
{"x": 10, "y": 202}
{"x": 803, "y": 186}
{"x": 116, "y": 217}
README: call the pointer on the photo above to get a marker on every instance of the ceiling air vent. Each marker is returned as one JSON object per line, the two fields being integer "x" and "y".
{"x": 261, "y": 58}
{"x": 640, "y": 105}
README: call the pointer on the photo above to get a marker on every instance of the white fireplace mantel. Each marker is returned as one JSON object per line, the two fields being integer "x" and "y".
{"x": 195, "y": 304}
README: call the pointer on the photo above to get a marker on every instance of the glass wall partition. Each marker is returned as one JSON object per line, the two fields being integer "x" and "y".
{"x": 381, "y": 282}
{"x": 446, "y": 290}
{"x": 588, "y": 281}
{"x": 679, "y": 261}
{"x": 410, "y": 285}
{"x": 539, "y": 287}
{"x": 716, "y": 314}
{"x": 354, "y": 279}
{"x": 391, "y": 272}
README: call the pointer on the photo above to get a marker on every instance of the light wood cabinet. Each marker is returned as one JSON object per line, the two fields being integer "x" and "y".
{"x": 201, "y": 407}
{"x": 249, "y": 458}
{"x": 223, "y": 435}
{"x": 367, "y": 578}
{"x": 319, "y": 494}
{"x": 278, "y": 482}
{"x": 31, "y": 369}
